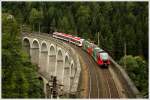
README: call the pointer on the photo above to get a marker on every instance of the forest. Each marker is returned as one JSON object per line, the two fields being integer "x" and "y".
{"x": 120, "y": 25}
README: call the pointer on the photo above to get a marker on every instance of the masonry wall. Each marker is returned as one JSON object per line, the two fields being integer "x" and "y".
{"x": 54, "y": 58}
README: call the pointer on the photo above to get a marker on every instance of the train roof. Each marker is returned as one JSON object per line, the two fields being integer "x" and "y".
{"x": 77, "y": 38}
{"x": 69, "y": 36}
{"x": 98, "y": 49}
{"x": 63, "y": 34}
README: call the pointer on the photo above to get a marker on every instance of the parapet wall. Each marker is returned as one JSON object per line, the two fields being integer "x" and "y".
{"x": 132, "y": 90}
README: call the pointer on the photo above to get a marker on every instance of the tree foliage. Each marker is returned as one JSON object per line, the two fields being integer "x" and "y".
{"x": 19, "y": 76}
{"x": 137, "y": 69}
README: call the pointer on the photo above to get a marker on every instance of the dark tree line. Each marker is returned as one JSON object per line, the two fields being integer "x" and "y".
{"x": 118, "y": 23}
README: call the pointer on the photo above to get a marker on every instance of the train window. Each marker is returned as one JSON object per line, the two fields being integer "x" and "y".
{"x": 78, "y": 42}
{"x": 73, "y": 40}
{"x": 104, "y": 56}
{"x": 60, "y": 36}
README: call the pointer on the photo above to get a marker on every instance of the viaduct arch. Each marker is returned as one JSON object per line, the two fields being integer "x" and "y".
{"x": 52, "y": 59}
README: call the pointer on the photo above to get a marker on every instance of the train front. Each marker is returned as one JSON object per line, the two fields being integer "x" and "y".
{"x": 103, "y": 59}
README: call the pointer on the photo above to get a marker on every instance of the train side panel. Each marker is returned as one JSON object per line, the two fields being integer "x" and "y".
{"x": 84, "y": 45}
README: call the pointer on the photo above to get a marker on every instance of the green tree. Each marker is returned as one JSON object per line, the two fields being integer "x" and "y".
{"x": 17, "y": 71}
{"x": 64, "y": 25}
{"x": 142, "y": 77}
{"x": 35, "y": 18}
{"x": 83, "y": 19}
{"x": 137, "y": 68}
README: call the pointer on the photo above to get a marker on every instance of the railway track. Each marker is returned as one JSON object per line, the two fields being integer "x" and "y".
{"x": 110, "y": 84}
{"x": 101, "y": 82}
{"x": 94, "y": 88}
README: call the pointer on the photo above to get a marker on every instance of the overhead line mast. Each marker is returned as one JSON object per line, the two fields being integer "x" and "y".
{"x": 98, "y": 38}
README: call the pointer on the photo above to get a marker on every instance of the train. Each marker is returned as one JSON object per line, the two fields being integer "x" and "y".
{"x": 99, "y": 55}
{"x": 72, "y": 39}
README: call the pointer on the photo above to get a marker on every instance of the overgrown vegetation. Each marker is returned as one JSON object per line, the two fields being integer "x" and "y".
{"x": 137, "y": 69}
{"x": 19, "y": 76}
{"x": 118, "y": 23}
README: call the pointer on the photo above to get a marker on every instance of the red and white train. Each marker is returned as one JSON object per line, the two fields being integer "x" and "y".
{"x": 99, "y": 55}
{"x": 72, "y": 39}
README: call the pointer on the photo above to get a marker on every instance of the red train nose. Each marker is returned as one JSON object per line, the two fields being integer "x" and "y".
{"x": 100, "y": 62}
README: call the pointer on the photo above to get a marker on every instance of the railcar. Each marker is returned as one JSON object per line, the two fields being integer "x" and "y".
{"x": 66, "y": 37}
{"x": 85, "y": 45}
{"x": 91, "y": 48}
{"x": 101, "y": 57}
{"x": 88, "y": 47}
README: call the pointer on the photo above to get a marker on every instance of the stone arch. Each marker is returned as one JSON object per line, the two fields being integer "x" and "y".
{"x": 35, "y": 43}
{"x": 26, "y": 45}
{"x": 35, "y": 47}
{"x": 72, "y": 73}
{"x": 60, "y": 62}
{"x": 59, "y": 55}
{"x": 52, "y": 60}
{"x": 72, "y": 69}
{"x": 52, "y": 50}
{"x": 44, "y": 46}
{"x": 43, "y": 57}
{"x": 67, "y": 72}
{"x": 67, "y": 62}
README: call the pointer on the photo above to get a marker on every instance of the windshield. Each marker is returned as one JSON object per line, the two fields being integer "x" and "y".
{"x": 99, "y": 50}
{"x": 104, "y": 56}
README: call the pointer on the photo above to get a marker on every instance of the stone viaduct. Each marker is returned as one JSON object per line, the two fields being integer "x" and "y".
{"x": 53, "y": 59}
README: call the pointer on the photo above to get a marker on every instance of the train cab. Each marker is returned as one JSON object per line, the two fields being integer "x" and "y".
{"x": 103, "y": 59}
